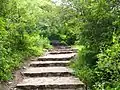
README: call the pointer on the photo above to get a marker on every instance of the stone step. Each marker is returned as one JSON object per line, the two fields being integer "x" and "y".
{"x": 51, "y": 83}
{"x": 48, "y": 71}
{"x": 48, "y": 63}
{"x": 50, "y": 89}
{"x": 57, "y": 57}
{"x": 65, "y": 50}
{"x": 70, "y": 49}
{"x": 60, "y": 52}
{"x": 63, "y": 47}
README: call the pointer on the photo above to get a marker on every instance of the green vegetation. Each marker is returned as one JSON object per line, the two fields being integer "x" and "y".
{"x": 98, "y": 64}
{"x": 93, "y": 26}
{"x": 20, "y": 35}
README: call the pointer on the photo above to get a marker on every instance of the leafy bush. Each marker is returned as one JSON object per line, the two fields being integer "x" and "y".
{"x": 82, "y": 68}
{"x": 100, "y": 36}
{"x": 108, "y": 67}
{"x": 13, "y": 51}
{"x": 19, "y": 36}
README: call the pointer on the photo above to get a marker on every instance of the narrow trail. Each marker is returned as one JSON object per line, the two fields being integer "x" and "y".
{"x": 51, "y": 72}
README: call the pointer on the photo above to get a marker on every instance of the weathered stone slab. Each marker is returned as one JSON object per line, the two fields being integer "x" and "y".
{"x": 47, "y": 83}
{"x": 70, "y": 49}
{"x": 57, "y": 57}
{"x": 49, "y": 63}
{"x": 48, "y": 71}
{"x": 60, "y": 52}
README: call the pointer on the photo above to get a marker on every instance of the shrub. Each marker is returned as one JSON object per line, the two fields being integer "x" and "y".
{"x": 108, "y": 67}
{"x": 19, "y": 37}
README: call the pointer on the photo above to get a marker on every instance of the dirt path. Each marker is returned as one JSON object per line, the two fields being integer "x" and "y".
{"x": 51, "y": 72}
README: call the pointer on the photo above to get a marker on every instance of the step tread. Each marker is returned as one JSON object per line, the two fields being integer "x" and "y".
{"x": 48, "y": 62}
{"x": 60, "y": 52}
{"x": 70, "y": 49}
{"x": 50, "y": 81}
{"x": 48, "y": 69}
{"x": 58, "y": 56}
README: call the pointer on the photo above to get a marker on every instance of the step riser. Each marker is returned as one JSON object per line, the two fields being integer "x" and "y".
{"x": 49, "y": 65}
{"x": 54, "y": 59}
{"x": 73, "y": 50}
{"x": 52, "y": 87}
{"x": 50, "y": 74}
{"x": 60, "y": 52}
{"x": 64, "y": 52}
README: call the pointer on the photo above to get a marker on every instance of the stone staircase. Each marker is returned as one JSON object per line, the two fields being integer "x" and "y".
{"x": 51, "y": 72}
